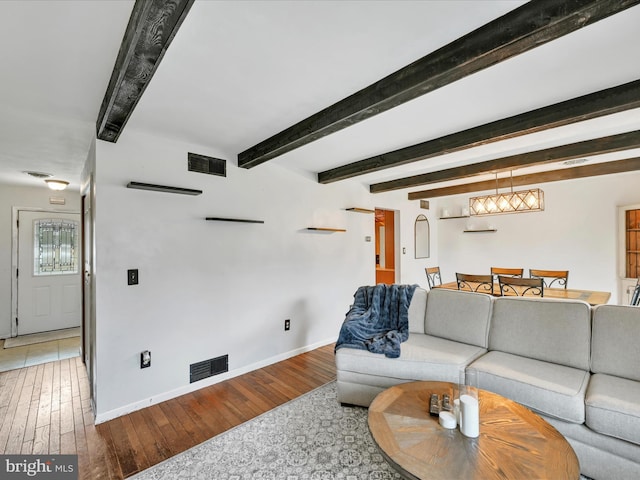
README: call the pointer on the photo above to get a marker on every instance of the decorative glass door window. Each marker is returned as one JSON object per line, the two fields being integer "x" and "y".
{"x": 55, "y": 245}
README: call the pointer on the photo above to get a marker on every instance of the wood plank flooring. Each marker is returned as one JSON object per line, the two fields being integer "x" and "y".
{"x": 46, "y": 409}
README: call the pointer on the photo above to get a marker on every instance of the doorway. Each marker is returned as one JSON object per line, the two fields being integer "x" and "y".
{"x": 385, "y": 233}
{"x": 48, "y": 274}
{"x": 628, "y": 251}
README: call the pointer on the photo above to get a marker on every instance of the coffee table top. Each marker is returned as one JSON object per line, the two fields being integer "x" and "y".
{"x": 514, "y": 442}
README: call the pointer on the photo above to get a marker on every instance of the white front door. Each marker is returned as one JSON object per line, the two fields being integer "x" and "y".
{"x": 49, "y": 278}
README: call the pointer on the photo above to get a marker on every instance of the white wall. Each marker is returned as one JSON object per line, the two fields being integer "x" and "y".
{"x": 212, "y": 288}
{"x": 30, "y": 197}
{"x": 577, "y": 231}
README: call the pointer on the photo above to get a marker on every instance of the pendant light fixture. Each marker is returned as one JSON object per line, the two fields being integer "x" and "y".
{"x": 531, "y": 200}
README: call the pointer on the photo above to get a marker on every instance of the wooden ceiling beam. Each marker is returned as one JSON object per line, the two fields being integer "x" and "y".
{"x": 597, "y": 146}
{"x": 533, "y": 24}
{"x": 152, "y": 26}
{"x": 604, "y": 102}
{"x": 607, "y": 168}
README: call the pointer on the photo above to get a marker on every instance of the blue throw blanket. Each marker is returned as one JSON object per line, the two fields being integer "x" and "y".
{"x": 378, "y": 321}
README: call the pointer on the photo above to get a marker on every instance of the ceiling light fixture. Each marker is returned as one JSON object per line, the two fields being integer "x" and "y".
{"x": 56, "y": 184}
{"x": 531, "y": 200}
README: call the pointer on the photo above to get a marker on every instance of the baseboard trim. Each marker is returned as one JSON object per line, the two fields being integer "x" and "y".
{"x": 162, "y": 397}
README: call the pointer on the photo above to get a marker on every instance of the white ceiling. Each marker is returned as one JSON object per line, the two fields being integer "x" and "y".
{"x": 239, "y": 72}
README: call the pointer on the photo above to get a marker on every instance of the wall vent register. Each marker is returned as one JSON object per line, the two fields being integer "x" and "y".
{"x": 208, "y": 368}
{"x": 208, "y": 165}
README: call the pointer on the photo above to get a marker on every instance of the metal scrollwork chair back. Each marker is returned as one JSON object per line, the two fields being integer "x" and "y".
{"x": 475, "y": 283}
{"x": 551, "y": 278}
{"x": 509, "y": 272}
{"x": 433, "y": 276}
{"x": 521, "y": 286}
{"x": 635, "y": 298}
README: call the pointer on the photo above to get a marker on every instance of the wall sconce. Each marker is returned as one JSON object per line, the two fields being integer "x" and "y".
{"x": 56, "y": 184}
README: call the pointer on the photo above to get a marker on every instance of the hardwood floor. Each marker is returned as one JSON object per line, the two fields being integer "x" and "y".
{"x": 46, "y": 409}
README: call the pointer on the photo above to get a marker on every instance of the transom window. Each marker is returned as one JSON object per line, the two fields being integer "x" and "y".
{"x": 55, "y": 246}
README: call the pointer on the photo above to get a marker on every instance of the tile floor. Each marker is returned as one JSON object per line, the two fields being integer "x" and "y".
{"x": 28, "y": 355}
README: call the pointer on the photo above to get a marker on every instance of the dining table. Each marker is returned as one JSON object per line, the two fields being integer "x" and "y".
{"x": 592, "y": 297}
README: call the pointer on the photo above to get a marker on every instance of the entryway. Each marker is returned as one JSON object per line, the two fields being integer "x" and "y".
{"x": 48, "y": 277}
{"x": 385, "y": 232}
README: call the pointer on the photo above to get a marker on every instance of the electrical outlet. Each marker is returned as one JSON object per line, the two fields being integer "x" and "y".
{"x": 145, "y": 359}
{"x": 132, "y": 277}
{"x": 287, "y": 325}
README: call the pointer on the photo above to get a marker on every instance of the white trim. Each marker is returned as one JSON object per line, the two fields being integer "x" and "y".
{"x": 14, "y": 256}
{"x": 192, "y": 387}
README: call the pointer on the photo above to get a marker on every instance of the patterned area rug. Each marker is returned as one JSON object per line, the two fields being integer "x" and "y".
{"x": 310, "y": 438}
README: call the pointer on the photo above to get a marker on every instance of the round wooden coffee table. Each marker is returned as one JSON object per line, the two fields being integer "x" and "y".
{"x": 514, "y": 442}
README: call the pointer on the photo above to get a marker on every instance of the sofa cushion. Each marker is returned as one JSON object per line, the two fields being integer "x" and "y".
{"x": 615, "y": 349}
{"x": 459, "y": 316}
{"x": 612, "y": 407}
{"x": 417, "y": 309}
{"x": 551, "y": 330}
{"x": 422, "y": 357}
{"x": 555, "y": 390}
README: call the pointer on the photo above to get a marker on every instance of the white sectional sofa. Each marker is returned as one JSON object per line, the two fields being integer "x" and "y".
{"x": 576, "y": 366}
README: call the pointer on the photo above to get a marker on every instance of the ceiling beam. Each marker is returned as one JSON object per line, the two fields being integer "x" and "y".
{"x": 607, "y": 168}
{"x": 151, "y": 28}
{"x": 593, "y": 105}
{"x": 596, "y": 146}
{"x": 526, "y": 27}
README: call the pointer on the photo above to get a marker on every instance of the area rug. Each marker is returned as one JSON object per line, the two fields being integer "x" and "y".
{"x": 310, "y": 438}
{"x": 22, "y": 340}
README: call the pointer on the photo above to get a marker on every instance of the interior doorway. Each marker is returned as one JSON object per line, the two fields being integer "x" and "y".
{"x": 628, "y": 251}
{"x": 385, "y": 233}
{"x": 48, "y": 274}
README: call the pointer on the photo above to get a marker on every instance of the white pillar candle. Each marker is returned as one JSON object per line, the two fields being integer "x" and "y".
{"x": 447, "y": 419}
{"x": 469, "y": 416}
{"x": 456, "y": 410}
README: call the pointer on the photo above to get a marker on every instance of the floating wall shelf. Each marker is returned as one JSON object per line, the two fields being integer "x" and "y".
{"x": 359, "y": 210}
{"x": 456, "y": 216}
{"x": 323, "y": 229}
{"x": 481, "y": 230}
{"x": 239, "y": 220}
{"x": 163, "y": 188}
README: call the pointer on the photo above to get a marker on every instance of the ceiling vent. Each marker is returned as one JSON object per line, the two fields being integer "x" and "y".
{"x": 574, "y": 161}
{"x": 208, "y": 165}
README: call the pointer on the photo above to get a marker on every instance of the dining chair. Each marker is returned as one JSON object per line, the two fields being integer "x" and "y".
{"x": 521, "y": 286}
{"x": 635, "y": 298}
{"x": 509, "y": 272}
{"x": 433, "y": 276}
{"x": 475, "y": 283}
{"x": 550, "y": 277}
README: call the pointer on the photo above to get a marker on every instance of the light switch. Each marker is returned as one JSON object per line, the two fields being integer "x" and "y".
{"x": 132, "y": 277}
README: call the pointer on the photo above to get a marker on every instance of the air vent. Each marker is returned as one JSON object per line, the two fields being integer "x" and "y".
{"x": 208, "y": 368}
{"x": 208, "y": 165}
{"x": 574, "y": 161}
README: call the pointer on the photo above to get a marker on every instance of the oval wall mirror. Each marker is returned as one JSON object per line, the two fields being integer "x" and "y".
{"x": 421, "y": 233}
